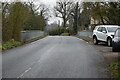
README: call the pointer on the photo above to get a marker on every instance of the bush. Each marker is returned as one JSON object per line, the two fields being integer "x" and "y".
{"x": 10, "y": 44}
{"x": 57, "y": 31}
{"x": 65, "y": 34}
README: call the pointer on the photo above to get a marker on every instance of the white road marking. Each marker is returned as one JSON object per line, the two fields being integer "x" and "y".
{"x": 46, "y": 53}
{"x": 24, "y": 73}
{"x": 27, "y": 70}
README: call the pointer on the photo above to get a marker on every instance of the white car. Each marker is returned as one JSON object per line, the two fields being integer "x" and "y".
{"x": 104, "y": 33}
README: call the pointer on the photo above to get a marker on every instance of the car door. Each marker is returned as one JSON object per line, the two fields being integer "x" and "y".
{"x": 99, "y": 32}
{"x": 103, "y": 34}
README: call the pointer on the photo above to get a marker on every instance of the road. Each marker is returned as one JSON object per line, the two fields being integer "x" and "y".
{"x": 54, "y": 57}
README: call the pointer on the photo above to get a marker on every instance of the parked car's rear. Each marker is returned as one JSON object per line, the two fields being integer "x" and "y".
{"x": 116, "y": 41}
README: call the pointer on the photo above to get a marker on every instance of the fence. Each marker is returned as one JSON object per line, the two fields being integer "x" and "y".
{"x": 30, "y": 34}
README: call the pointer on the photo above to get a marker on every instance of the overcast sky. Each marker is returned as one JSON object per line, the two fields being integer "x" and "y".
{"x": 50, "y": 4}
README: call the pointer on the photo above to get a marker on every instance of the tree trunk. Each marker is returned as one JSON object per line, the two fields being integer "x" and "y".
{"x": 64, "y": 22}
{"x": 76, "y": 19}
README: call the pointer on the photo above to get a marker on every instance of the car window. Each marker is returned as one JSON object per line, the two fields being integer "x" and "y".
{"x": 112, "y": 29}
{"x": 117, "y": 34}
{"x": 104, "y": 29}
{"x": 100, "y": 29}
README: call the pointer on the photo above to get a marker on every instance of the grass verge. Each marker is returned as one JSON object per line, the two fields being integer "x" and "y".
{"x": 115, "y": 69}
{"x": 65, "y": 34}
{"x": 12, "y": 43}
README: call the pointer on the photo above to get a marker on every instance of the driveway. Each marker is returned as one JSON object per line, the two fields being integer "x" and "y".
{"x": 86, "y": 33}
{"x": 54, "y": 57}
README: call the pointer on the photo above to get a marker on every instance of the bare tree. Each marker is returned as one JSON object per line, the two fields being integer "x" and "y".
{"x": 32, "y": 7}
{"x": 39, "y": 9}
{"x": 43, "y": 11}
{"x": 5, "y": 7}
{"x": 63, "y": 10}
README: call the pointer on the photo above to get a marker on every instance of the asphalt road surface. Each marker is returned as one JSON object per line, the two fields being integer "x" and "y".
{"x": 54, "y": 57}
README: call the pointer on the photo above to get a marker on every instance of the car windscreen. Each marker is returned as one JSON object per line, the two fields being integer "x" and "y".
{"x": 112, "y": 29}
{"x": 117, "y": 33}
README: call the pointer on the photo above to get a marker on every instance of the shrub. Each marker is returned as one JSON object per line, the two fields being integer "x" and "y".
{"x": 10, "y": 44}
{"x": 65, "y": 34}
{"x": 57, "y": 31}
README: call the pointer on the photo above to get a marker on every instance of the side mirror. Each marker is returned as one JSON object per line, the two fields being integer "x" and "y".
{"x": 104, "y": 32}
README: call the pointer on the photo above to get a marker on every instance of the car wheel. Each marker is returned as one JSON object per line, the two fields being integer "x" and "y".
{"x": 95, "y": 41}
{"x": 109, "y": 42}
